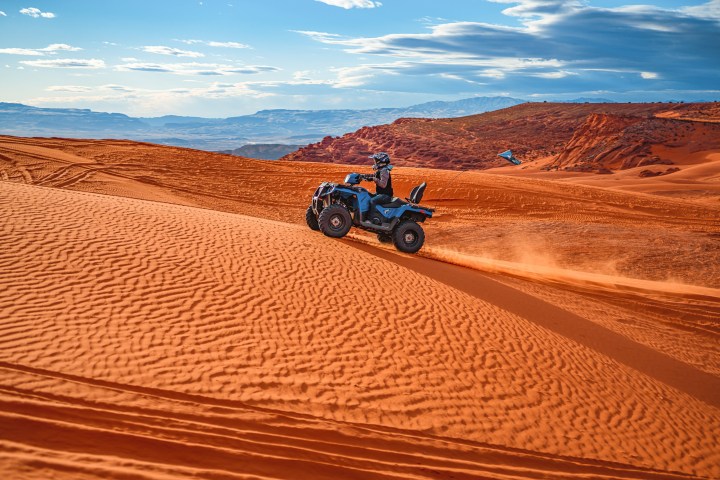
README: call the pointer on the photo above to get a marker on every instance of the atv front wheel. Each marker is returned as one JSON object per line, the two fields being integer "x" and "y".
{"x": 408, "y": 237}
{"x": 334, "y": 221}
{"x": 311, "y": 219}
{"x": 384, "y": 238}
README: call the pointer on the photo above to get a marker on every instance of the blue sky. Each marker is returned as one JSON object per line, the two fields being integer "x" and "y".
{"x": 221, "y": 58}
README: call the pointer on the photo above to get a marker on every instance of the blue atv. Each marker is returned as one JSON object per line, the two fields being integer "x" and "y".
{"x": 336, "y": 208}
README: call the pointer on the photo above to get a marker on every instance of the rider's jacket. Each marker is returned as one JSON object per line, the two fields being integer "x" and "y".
{"x": 383, "y": 181}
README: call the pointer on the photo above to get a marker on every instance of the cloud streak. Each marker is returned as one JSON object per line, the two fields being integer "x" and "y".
{"x": 195, "y": 68}
{"x": 83, "y": 89}
{"x": 348, "y": 4}
{"x": 215, "y": 44}
{"x": 39, "y": 52}
{"x": 21, "y": 51}
{"x": 91, "y": 63}
{"x": 176, "y": 52}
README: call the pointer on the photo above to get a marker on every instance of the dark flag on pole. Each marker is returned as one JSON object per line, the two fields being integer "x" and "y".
{"x": 507, "y": 155}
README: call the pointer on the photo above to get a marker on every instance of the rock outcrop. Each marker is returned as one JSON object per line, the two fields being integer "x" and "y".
{"x": 576, "y": 137}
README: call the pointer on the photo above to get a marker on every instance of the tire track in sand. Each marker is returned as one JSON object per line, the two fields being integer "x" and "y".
{"x": 155, "y": 431}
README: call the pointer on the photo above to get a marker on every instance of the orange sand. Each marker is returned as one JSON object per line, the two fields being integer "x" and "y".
{"x": 147, "y": 337}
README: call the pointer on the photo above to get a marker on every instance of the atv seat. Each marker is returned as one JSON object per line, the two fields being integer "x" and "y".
{"x": 414, "y": 198}
{"x": 396, "y": 202}
{"x": 417, "y": 193}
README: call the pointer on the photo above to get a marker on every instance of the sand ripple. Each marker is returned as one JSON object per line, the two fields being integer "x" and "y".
{"x": 125, "y": 294}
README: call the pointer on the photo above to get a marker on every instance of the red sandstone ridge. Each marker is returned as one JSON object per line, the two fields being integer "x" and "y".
{"x": 626, "y": 136}
{"x": 617, "y": 142}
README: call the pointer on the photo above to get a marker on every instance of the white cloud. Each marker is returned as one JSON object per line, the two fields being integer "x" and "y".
{"x": 295, "y": 82}
{"x": 227, "y": 45}
{"x": 66, "y": 63}
{"x": 60, "y": 47}
{"x": 403, "y": 73}
{"x": 39, "y": 52}
{"x": 323, "y": 37}
{"x": 3, "y": 14}
{"x": 347, "y": 4}
{"x": 710, "y": 9}
{"x": 529, "y": 10}
{"x": 36, "y": 13}
{"x": 211, "y": 43}
{"x": 83, "y": 89}
{"x": 68, "y": 88}
{"x": 301, "y": 75}
{"x": 349, "y": 77}
{"x": 648, "y": 75}
{"x": 162, "y": 50}
{"x": 555, "y": 74}
{"x": 195, "y": 68}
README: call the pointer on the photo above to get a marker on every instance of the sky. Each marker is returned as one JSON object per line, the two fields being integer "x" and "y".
{"x": 220, "y": 58}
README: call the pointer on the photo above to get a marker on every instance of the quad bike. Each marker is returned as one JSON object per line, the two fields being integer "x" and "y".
{"x": 335, "y": 208}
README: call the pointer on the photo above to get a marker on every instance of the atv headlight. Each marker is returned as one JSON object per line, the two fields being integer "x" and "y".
{"x": 326, "y": 189}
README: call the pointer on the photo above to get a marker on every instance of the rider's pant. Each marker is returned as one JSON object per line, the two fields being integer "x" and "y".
{"x": 379, "y": 199}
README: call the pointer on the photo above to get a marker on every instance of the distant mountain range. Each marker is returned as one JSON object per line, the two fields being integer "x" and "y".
{"x": 295, "y": 127}
{"x": 283, "y": 127}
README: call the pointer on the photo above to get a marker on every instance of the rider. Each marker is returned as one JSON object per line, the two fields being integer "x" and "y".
{"x": 381, "y": 177}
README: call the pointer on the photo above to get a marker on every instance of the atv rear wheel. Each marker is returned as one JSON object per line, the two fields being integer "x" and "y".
{"x": 311, "y": 219}
{"x": 334, "y": 221}
{"x": 384, "y": 238}
{"x": 408, "y": 237}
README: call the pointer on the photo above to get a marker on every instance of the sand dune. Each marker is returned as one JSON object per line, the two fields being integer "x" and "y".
{"x": 146, "y": 337}
{"x": 551, "y": 220}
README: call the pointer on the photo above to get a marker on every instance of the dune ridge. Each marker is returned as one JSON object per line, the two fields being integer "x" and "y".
{"x": 596, "y": 223}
